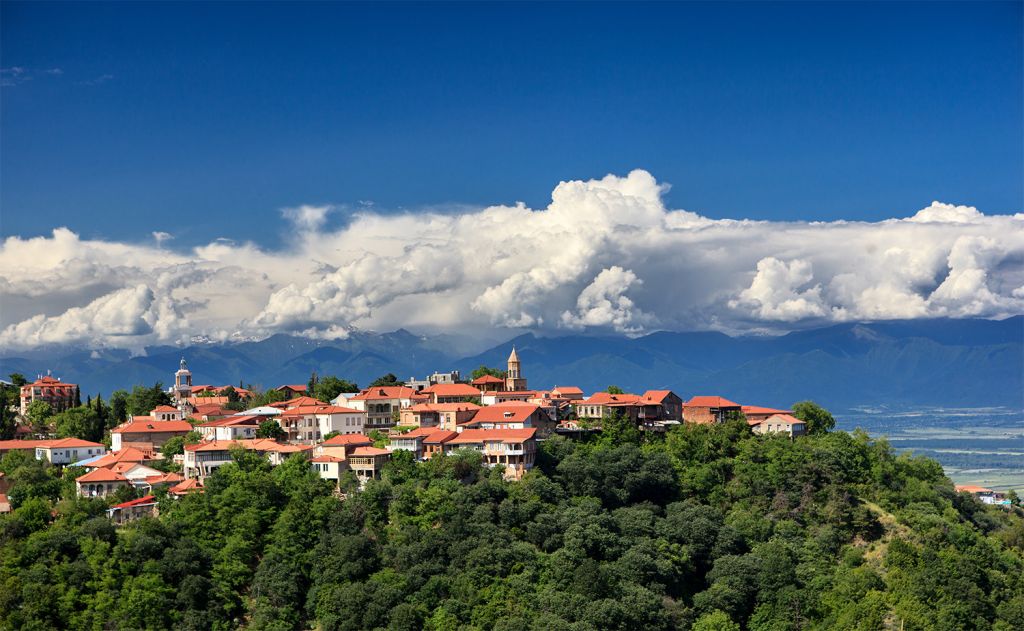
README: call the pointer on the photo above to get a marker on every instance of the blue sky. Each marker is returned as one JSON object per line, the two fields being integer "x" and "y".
{"x": 205, "y": 120}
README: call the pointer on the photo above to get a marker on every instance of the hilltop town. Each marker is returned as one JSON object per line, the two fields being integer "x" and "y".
{"x": 195, "y": 430}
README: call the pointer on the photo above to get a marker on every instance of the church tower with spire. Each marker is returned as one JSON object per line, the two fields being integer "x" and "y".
{"x": 514, "y": 380}
{"x": 182, "y": 382}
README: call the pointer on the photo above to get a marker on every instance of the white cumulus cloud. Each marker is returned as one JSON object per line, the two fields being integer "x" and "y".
{"x": 605, "y": 255}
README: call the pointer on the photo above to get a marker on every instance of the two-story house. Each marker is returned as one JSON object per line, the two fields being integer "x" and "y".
{"x": 513, "y": 449}
{"x": 709, "y": 409}
{"x": 381, "y": 404}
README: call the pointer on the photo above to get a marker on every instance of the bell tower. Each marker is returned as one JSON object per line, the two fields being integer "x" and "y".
{"x": 514, "y": 380}
{"x": 182, "y": 382}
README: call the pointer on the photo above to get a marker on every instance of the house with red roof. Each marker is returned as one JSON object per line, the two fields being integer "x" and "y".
{"x": 381, "y": 404}
{"x": 488, "y": 383}
{"x": 210, "y": 412}
{"x": 985, "y": 495}
{"x": 572, "y": 393}
{"x": 125, "y": 512}
{"x": 147, "y": 433}
{"x": 310, "y": 423}
{"x": 329, "y": 467}
{"x": 63, "y": 451}
{"x": 186, "y": 486}
{"x": 756, "y": 413}
{"x": 128, "y": 454}
{"x": 435, "y": 441}
{"x": 367, "y": 462}
{"x": 166, "y": 413}
{"x": 780, "y": 424}
{"x": 601, "y": 404}
{"x": 100, "y": 483}
{"x": 342, "y": 445}
{"x": 136, "y": 473}
{"x": 234, "y": 427}
{"x": 513, "y": 415}
{"x": 203, "y": 459}
{"x": 438, "y": 415}
{"x": 52, "y": 390}
{"x": 451, "y": 393}
{"x": 504, "y": 396}
{"x": 513, "y": 449}
{"x": 660, "y": 407}
{"x": 292, "y": 391}
{"x": 709, "y": 409}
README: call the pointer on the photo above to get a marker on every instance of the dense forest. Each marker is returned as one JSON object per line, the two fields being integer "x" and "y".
{"x": 707, "y": 527}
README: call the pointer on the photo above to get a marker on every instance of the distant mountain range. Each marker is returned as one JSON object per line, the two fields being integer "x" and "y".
{"x": 954, "y": 363}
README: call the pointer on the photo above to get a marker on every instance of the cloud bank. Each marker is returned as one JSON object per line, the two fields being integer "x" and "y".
{"x": 604, "y": 256}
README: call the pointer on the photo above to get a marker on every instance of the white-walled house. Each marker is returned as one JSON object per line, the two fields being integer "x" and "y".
{"x": 310, "y": 423}
{"x": 780, "y": 424}
{"x": 380, "y": 403}
{"x": 64, "y": 451}
{"x": 235, "y": 427}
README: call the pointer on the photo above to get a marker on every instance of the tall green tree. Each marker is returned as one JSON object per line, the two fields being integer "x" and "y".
{"x": 386, "y": 380}
{"x": 270, "y": 429}
{"x": 614, "y": 390}
{"x": 118, "y": 407}
{"x": 80, "y": 422}
{"x": 818, "y": 419}
{"x": 143, "y": 399}
{"x": 329, "y": 387}
{"x": 39, "y": 414}
{"x": 487, "y": 370}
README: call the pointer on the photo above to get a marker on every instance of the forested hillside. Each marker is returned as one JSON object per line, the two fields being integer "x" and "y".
{"x": 707, "y": 528}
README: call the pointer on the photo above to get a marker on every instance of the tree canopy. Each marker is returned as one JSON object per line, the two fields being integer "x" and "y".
{"x": 329, "y": 387}
{"x": 706, "y": 527}
{"x": 487, "y": 370}
{"x": 818, "y": 419}
{"x": 386, "y": 380}
{"x": 142, "y": 400}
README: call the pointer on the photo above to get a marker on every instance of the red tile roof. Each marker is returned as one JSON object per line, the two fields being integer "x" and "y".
{"x": 369, "y": 451}
{"x": 756, "y": 409}
{"x": 438, "y": 436}
{"x": 444, "y": 407}
{"x": 604, "y": 398}
{"x": 165, "y": 478}
{"x": 510, "y": 436}
{"x": 128, "y": 454}
{"x": 970, "y": 488}
{"x": 101, "y": 475}
{"x": 48, "y": 382}
{"x": 300, "y": 401}
{"x": 63, "y": 443}
{"x": 518, "y": 412}
{"x": 149, "y": 426}
{"x": 165, "y": 408}
{"x": 348, "y": 439}
{"x": 563, "y": 390}
{"x": 295, "y": 388}
{"x": 231, "y": 421}
{"x": 782, "y": 418}
{"x": 479, "y": 381}
{"x": 7, "y": 445}
{"x": 142, "y": 501}
{"x": 303, "y": 410}
{"x": 326, "y": 459}
{"x": 384, "y": 392}
{"x": 710, "y": 402}
{"x": 451, "y": 390}
{"x": 655, "y": 396}
{"x": 185, "y": 487}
